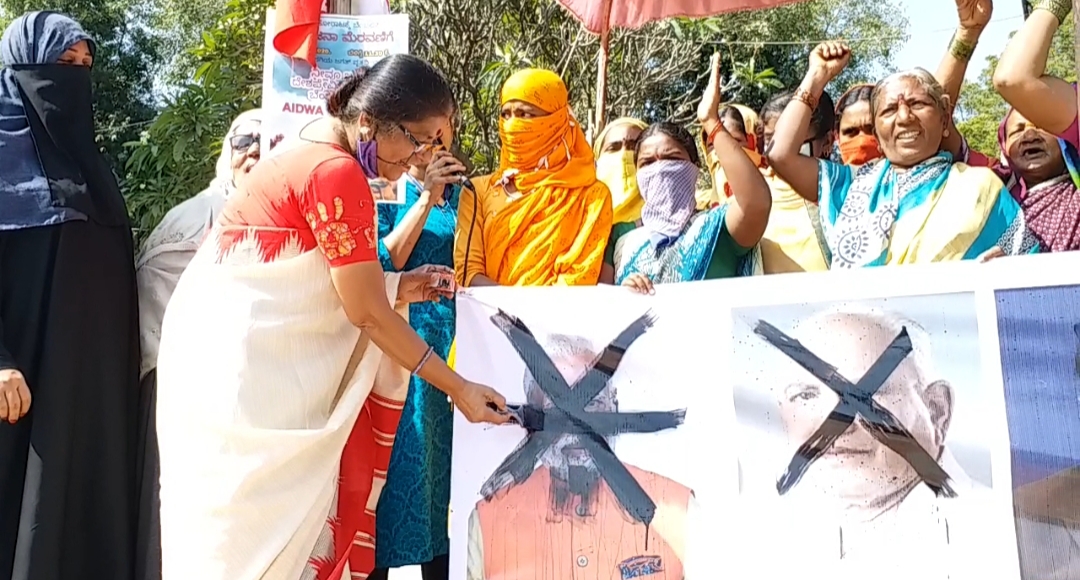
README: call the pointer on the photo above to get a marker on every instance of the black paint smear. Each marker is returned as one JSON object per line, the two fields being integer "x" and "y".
{"x": 856, "y": 403}
{"x": 568, "y": 416}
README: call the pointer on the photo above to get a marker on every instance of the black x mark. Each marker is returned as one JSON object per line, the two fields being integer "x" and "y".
{"x": 856, "y": 403}
{"x": 568, "y": 415}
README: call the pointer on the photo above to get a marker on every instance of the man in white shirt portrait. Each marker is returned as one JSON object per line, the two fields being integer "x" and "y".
{"x": 871, "y": 487}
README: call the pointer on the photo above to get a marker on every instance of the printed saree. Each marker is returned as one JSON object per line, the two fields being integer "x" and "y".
{"x": 686, "y": 259}
{"x": 276, "y": 417}
{"x": 1052, "y": 208}
{"x": 938, "y": 211}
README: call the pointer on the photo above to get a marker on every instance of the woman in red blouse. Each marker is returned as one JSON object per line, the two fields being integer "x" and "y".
{"x": 276, "y": 413}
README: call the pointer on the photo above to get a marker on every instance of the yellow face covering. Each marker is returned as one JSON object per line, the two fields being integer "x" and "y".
{"x": 619, "y": 172}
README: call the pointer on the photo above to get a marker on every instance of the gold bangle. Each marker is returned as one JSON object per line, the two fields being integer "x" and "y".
{"x": 1059, "y": 8}
{"x": 803, "y": 96}
{"x": 960, "y": 49}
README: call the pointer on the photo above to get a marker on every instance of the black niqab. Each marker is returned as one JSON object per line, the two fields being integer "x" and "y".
{"x": 58, "y": 103}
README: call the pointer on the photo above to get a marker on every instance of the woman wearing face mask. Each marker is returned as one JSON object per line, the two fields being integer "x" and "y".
{"x": 916, "y": 204}
{"x": 673, "y": 242}
{"x": 731, "y": 117}
{"x": 740, "y": 121}
{"x": 69, "y": 336}
{"x": 414, "y": 504}
{"x": 544, "y": 218}
{"x": 855, "y": 127}
{"x": 616, "y": 167}
{"x": 792, "y": 240}
{"x": 1038, "y": 137}
{"x": 276, "y": 407}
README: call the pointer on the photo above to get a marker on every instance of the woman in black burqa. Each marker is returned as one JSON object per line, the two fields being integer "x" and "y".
{"x": 69, "y": 349}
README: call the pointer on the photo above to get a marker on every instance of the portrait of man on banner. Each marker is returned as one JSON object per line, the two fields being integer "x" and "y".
{"x": 562, "y": 504}
{"x": 868, "y": 480}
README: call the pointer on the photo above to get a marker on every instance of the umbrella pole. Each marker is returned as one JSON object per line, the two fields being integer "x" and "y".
{"x": 601, "y": 81}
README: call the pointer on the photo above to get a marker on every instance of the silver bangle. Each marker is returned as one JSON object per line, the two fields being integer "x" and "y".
{"x": 423, "y": 361}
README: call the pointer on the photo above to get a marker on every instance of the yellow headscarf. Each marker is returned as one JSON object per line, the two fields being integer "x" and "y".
{"x": 618, "y": 171}
{"x": 750, "y": 118}
{"x": 557, "y": 231}
{"x": 598, "y": 143}
{"x": 718, "y": 194}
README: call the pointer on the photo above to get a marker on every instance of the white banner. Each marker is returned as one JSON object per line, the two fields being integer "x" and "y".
{"x": 294, "y": 94}
{"x": 885, "y": 422}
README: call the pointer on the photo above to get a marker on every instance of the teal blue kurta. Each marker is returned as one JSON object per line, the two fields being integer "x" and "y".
{"x": 413, "y": 509}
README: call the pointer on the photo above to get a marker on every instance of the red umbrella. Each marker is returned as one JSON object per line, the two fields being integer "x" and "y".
{"x": 600, "y": 16}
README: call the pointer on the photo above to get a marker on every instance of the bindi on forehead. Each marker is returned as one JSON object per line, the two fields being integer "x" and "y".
{"x": 906, "y": 92}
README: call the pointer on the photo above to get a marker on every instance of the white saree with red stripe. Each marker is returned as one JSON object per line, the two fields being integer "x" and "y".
{"x": 276, "y": 418}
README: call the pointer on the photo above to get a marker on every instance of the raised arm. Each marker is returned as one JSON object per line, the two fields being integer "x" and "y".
{"x": 751, "y": 202}
{"x": 401, "y": 241}
{"x": 827, "y": 60}
{"x": 1020, "y": 77}
{"x": 974, "y": 16}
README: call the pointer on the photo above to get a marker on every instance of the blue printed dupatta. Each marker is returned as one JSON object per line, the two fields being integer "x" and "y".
{"x": 936, "y": 211}
{"x": 684, "y": 260}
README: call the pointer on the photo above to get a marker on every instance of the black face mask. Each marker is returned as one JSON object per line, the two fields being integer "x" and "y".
{"x": 58, "y": 99}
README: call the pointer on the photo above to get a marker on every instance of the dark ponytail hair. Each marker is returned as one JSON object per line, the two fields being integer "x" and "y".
{"x": 729, "y": 112}
{"x": 676, "y": 132}
{"x": 400, "y": 88}
{"x": 822, "y": 119}
{"x": 855, "y": 94}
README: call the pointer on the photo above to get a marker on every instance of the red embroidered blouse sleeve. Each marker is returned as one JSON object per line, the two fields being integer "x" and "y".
{"x": 338, "y": 206}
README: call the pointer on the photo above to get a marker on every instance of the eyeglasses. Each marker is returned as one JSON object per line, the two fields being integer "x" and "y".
{"x": 418, "y": 146}
{"x": 242, "y": 142}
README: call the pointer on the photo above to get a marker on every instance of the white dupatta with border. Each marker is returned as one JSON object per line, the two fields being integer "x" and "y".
{"x": 261, "y": 378}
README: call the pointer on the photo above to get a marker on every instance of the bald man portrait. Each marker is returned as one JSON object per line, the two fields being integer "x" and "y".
{"x": 867, "y": 484}
{"x": 560, "y": 518}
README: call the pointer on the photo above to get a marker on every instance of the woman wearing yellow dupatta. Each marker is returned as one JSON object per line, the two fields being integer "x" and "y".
{"x": 543, "y": 219}
{"x": 616, "y": 166}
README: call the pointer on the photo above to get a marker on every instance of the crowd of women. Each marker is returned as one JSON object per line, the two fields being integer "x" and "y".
{"x": 281, "y": 338}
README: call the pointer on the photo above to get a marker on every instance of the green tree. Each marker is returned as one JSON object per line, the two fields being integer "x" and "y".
{"x": 174, "y": 157}
{"x": 654, "y": 73}
{"x": 124, "y": 65}
{"x": 178, "y": 25}
{"x": 981, "y": 109}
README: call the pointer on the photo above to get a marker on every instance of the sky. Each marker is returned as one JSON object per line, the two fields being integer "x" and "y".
{"x": 931, "y": 24}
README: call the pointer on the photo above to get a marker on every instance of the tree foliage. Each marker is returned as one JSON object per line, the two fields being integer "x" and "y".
{"x": 654, "y": 73}
{"x": 179, "y": 25}
{"x": 206, "y": 59}
{"x": 124, "y": 64}
{"x": 981, "y": 109}
{"x": 174, "y": 158}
